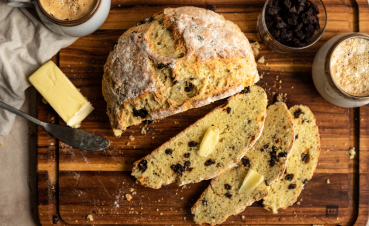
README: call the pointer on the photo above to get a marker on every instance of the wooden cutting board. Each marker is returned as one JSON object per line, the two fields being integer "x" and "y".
{"x": 73, "y": 184}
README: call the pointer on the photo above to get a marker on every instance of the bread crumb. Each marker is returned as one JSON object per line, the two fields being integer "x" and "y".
{"x": 184, "y": 218}
{"x": 243, "y": 217}
{"x": 261, "y": 60}
{"x": 153, "y": 138}
{"x": 161, "y": 213}
{"x": 181, "y": 198}
{"x": 143, "y": 130}
{"x": 129, "y": 197}
{"x": 131, "y": 138}
{"x": 175, "y": 122}
{"x": 352, "y": 152}
{"x": 90, "y": 218}
{"x": 362, "y": 119}
{"x": 183, "y": 187}
{"x": 44, "y": 101}
{"x": 328, "y": 181}
{"x": 131, "y": 190}
{"x": 255, "y": 48}
{"x": 266, "y": 64}
{"x": 298, "y": 203}
{"x": 281, "y": 98}
{"x": 157, "y": 210}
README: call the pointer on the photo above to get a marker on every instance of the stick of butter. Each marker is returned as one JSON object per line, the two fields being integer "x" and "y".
{"x": 61, "y": 94}
{"x": 251, "y": 181}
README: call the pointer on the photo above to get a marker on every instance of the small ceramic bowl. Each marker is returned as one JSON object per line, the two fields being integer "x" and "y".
{"x": 76, "y": 28}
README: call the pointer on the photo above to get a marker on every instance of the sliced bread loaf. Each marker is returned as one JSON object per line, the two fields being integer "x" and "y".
{"x": 300, "y": 165}
{"x": 222, "y": 198}
{"x": 240, "y": 123}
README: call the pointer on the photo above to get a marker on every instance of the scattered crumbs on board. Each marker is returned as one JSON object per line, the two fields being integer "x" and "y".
{"x": 90, "y": 218}
{"x": 352, "y": 152}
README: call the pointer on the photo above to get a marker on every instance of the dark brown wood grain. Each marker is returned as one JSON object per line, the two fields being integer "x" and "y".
{"x": 73, "y": 184}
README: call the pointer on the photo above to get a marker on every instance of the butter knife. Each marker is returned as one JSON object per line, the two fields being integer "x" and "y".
{"x": 73, "y": 137}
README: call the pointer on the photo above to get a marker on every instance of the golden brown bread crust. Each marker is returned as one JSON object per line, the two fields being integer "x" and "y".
{"x": 179, "y": 59}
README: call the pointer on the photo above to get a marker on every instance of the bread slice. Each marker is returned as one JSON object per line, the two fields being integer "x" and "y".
{"x": 300, "y": 165}
{"x": 222, "y": 198}
{"x": 240, "y": 122}
{"x": 178, "y": 59}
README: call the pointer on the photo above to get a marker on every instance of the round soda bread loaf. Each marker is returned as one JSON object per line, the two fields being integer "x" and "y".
{"x": 222, "y": 198}
{"x": 240, "y": 123}
{"x": 177, "y": 59}
{"x": 300, "y": 165}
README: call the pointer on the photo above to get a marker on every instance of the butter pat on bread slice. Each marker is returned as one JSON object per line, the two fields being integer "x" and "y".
{"x": 61, "y": 94}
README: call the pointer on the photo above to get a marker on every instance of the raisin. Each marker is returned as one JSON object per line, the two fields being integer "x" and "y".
{"x": 289, "y": 177}
{"x": 276, "y": 141}
{"x": 297, "y": 113}
{"x": 55, "y": 219}
{"x": 161, "y": 66}
{"x": 204, "y": 202}
{"x": 211, "y": 8}
{"x": 140, "y": 113}
{"x": 273, "y": 10}
{"x": 269, "y": 23}
{"x": 277, "y": 18}
{"x": 168, "y": 151}
{"x": 227, "y": 187}
{"x": 282, "y": 154}
{"x": 285, "y": 172}
{"x": 305, "y": 181}
{"x": 144, "y": 21}
{"x": 200, "y": 38}
{"x": 187, "y": 155}
{"x": 309, "y": 29}
{"x": 299, "y": 34}
{"x": 281, "y": 25}
{"x": 266, "y": 183}
{"x": 265, "y": 147}
{"x": 304, "y": 157}
{"x": 209, "y": 162}
{"x": 142, "y": 165}
{"x": 245, "y": 162}
{"x": 317, "y": 26}
{"x": 272, "y": 162}
{"x": 179, "y": 169}
{"x": 291, "y": 186}
{"x": 292, "y": 21}
{"x": 187, "y": 163}
{"x": 275, "y": 33}
{"x": 296, "y": 136}
{"x": 115, "y": 45}
{"x": 228, "y": 110}
{"x": 228, "y": 195}
{"x": 159, "y": 43}
{"x": 287, "y": 3}
{"x": 192, "y": 144}
{"x": 190, "y": 87}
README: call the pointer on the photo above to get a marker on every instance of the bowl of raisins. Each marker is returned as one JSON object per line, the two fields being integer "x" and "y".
{"x": 287, "y": 26}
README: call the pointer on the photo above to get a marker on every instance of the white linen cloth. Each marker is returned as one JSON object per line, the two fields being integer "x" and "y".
{"x": 25, "y": 45}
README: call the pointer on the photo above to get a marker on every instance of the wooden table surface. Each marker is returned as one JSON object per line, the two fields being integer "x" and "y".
{"x": 73, "y": 184}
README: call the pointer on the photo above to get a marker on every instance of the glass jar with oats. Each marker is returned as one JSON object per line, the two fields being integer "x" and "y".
{"x": 341, "y": 70}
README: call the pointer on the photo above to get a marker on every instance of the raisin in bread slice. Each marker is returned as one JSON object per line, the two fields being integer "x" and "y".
{"x": 222, "y": 198}
{"x": 178, "y": 59}
{"x": 300, "y": 165}
{"x": 240, "y": 123}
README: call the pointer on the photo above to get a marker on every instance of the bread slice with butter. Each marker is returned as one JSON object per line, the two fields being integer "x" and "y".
{"x": 300, "y": 165}
{"x": 234, "y": 190}
{"x": 240, "y": 123}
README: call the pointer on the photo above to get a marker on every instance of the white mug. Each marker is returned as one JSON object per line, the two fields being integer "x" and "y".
{"x": 323, "y": 79}
{"x": 77, "y": 28}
